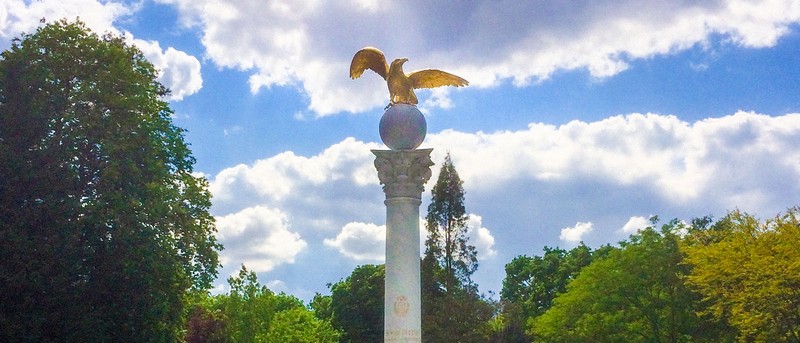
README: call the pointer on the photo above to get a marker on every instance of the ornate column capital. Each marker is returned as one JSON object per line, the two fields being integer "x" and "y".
{"x": 403, "y": 173}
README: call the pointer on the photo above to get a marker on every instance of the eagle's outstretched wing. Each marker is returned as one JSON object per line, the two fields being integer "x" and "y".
{"x": 430, "y": 78}
{"x": 369, "y": 58}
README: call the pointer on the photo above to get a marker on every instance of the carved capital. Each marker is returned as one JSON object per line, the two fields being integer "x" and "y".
{"x": 403, "y": 173}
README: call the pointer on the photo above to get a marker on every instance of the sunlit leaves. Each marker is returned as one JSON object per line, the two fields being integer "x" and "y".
{"x": 635, "y": 294}
{"x": 749, "y": 273}
{"x": 251, "y": 312}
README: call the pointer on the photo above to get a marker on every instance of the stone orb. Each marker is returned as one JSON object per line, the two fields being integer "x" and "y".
{"x": 403, "y": 127}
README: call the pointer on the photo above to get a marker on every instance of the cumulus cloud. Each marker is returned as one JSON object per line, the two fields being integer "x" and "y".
{"x": 17, "y": 16}
{"x": 480, "y": 237}
{"x": 360, "y": 241}
{"x": 258, "y": 237}
{"x": 575, "y": 233}
{"x": 288, "y": 178}
{"x": 179, "y": 71}
{"x": 635, "y": 224}
{"x": 682, "y": 162}
{"x": 309, "y": 44}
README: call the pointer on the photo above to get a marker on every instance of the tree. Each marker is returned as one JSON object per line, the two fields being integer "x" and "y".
{"x": 447, "y": 243}
{"x": 452, "y": 309}
{"x": 249, "y": 307}
{"x": 357, "y": 305}
{"x": 322, "y": 305}
{"x": 205, "y": 325}
{"x": 298, "y": 325}
{"x": 635, "y": 294}
{"x": 253, "y": 313}
{"x": 749, "y": 273}
{"x": 531, "y": 284}
{"x": 103, "y": 226}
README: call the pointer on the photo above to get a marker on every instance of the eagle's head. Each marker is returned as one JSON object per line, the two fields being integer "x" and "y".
{"x": 398, "y": 63}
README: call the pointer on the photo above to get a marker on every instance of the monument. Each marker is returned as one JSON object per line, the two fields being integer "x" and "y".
{"x": 403, "y": 171}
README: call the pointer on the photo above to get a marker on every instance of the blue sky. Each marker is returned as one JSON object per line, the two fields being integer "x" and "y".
{"x": 582, "y": 118}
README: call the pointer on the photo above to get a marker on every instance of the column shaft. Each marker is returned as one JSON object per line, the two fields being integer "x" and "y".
{"x": 403, "y": 174}
{"x": 402, "y": 302}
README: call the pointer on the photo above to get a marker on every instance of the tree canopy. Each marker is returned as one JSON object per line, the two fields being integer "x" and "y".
{"x": 531, "y": 284}
{"x": 635, "y": 294}
{"x": 251, "y": 312}
{"x": 749, "y": 273}
{"x": 103, "y": 226}
{"x": 357, "y": 305}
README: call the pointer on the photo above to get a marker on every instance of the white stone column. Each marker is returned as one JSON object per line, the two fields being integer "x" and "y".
{"x": 403, "y": 174}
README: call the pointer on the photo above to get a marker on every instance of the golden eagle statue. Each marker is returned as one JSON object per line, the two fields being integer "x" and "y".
{"x": 401, "y": 85}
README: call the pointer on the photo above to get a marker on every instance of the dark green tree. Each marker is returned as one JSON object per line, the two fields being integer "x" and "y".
{"x": 205, "y": 325}
{"x": 357, "y": 305}
{"x": 452, "y": 308}
{"x": 103, "y": 226}
{"x": 531, "y": 284}
{"x": 447, "y": 244}
{"x": 322, "y": 306}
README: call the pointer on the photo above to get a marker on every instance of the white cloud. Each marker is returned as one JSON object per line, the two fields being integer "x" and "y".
{"x": 439, "y": 98}
{"x": 17, "y": 16}
{"x": 635, "y": 224}
{"x": 575, "y": 233}
{"x": 178, "y": 71}
{"x": 258, "y": 237}
{"x": 681, "y": 161}
{"x": 309, "y": 44}
{"x": 360, "y": 241}
{"x": 287, "y": 177}
{"x": 480, "y": 237}
{"x": 277, "y": 286}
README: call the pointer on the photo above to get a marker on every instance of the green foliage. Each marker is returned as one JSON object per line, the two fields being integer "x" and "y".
{"x": 531, "y": 284}
{"x": 357, "y": 305}
{"x": 249, "y": 307}
{"x": 749, "y": 273}
{"x": 253, "y": 313}
{"x": 322, "y": 305}
{"x": 205, "y": 325}
{"x": 452, "y": 309}
{"x": 459, "y": 316}
{"x": 635, "y": 294}
{"x": 103, "y": 227}
{"x": 447, "y": 241}
{"x": 299, "y": 325}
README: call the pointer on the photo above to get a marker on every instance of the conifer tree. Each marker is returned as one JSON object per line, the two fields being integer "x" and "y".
{"x": 452, "y": 309}
{"x": 447, "y": 243}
